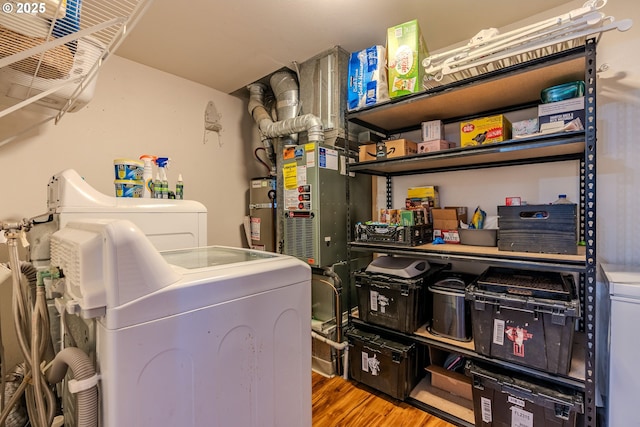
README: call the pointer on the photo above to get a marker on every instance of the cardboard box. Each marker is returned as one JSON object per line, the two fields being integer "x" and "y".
{"x": 449, "y": 236}
{"x": 367, "y": 78}
{"x": 513, "y": 201}
{"x": 387, "y": 150}
{"x": 389, "y": 216}
{"x": 486, "y": 130}
{"x": 561, "y": 111}
{"x": 422, "y": 192}
{"x": 435, "y": 145}
{"x": 445, "y": 379}
{"x": 453, "y": 382}
{"x": 448, "y": 218}
{"x": 432, "y": 130}
{"x": 413, "y": 217}
{"x": 524, "y": 127}
{"x": 405, "y": 51}
{"x": 424, "y": 196}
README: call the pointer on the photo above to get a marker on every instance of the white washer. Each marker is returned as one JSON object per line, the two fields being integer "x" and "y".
{"x": 624, "y": 375}
{"x": 211, "y": 336}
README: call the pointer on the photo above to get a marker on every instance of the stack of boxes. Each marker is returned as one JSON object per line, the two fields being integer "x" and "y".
{"x": 433, "y": 137}
{"x": 446, "y": 222}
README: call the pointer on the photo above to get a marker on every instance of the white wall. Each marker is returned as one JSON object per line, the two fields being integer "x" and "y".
{"x": 138, "y": 110}
{"x": 618, "y": 152}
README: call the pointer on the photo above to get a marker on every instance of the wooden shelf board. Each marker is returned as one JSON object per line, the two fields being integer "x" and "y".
{"x": 480, "y": 253}
{"x": 472, "y": 98}
{"x": 552, "y": 147}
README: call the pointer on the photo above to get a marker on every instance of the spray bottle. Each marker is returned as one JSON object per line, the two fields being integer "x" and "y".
{"x": 179, "y": 188}
{"x": 157, "y": 187}
{"x": 147, "y": 175}
{"x": 163, "y": 164}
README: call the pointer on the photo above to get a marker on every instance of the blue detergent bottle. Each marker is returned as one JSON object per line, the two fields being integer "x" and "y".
{"x": 68, "y": 24}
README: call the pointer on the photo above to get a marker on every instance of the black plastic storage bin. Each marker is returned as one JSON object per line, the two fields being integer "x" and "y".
{"x": 504, "y": 401}
{"x": 551, "y": 229}
{"x": 525, "y": 317}
{"x": 383, "y": 364}
{"x": 392, "y": 292}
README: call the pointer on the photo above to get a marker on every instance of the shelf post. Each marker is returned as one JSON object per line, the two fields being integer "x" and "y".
{"x": 589, "y": 194}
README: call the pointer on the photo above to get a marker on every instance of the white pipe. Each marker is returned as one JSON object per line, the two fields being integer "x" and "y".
{"x": 341, "y": 346}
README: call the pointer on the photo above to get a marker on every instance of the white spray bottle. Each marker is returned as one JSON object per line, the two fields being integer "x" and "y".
{"x": 147, "y": 175}
{"x": 163, "y": 164}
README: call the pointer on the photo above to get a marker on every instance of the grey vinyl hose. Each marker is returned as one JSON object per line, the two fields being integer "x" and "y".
{"x": 82, "y": 369}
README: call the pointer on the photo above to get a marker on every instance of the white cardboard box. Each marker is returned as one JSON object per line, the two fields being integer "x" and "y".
{"x": 561, "y": 111}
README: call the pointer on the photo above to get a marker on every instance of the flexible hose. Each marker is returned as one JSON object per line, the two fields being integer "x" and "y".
{"x": 19, "y": 305}
{"x": 40, "y": 328}
{"x": 32, "y": 327}
{"x": 35, "y": 369}
{"x": 6, "y": 411}
{"x": 82, "y": 369}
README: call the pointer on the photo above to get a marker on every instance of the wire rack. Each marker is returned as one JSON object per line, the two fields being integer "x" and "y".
{"x": 51, "y": 51}
{"x": 491, "y": 51}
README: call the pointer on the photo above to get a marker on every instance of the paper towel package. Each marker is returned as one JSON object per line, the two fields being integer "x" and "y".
{"x": 406, "y": 49}
{"x": 367, "y": 79}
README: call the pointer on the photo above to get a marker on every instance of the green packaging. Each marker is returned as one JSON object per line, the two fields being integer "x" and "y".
{"x": 405, "y": 51}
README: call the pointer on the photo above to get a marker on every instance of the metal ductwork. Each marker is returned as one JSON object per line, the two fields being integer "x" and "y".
{"x": 285, "y": 89}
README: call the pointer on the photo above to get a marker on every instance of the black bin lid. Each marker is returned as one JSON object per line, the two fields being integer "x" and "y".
{"x": 538, "y": 284}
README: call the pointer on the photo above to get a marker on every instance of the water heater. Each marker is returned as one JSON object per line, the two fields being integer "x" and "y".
{"x": 262, "y": 214}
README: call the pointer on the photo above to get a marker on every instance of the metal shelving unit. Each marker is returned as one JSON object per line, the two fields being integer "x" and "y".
{"x": 510, "y": 89}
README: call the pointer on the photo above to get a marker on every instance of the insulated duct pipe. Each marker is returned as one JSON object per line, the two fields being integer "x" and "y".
{"x": 268, "y": 128}
{"x": 285, "y": 89}
{"x": 82, "y": 369}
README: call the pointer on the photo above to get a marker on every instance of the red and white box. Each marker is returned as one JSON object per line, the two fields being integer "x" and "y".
{"x": 513, "y": 201}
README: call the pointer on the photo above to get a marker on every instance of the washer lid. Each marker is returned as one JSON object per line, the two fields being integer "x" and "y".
{"x": 398, "y": 266}
{"x": 201, "y": 257}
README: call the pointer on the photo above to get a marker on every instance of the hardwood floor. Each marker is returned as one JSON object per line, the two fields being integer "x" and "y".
{"x": 341, "y": 403}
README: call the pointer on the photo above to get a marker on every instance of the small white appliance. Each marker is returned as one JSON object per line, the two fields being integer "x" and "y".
{"x": 212, "y": 336}
{"x": 624, "y": 376}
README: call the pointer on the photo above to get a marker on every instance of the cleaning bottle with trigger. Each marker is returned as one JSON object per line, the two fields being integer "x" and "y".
{"x": 157, "y": 187}
{"x": 179, "y": 188}
{"x": 163, "y": 164}
{"x": 147, "y": 175}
